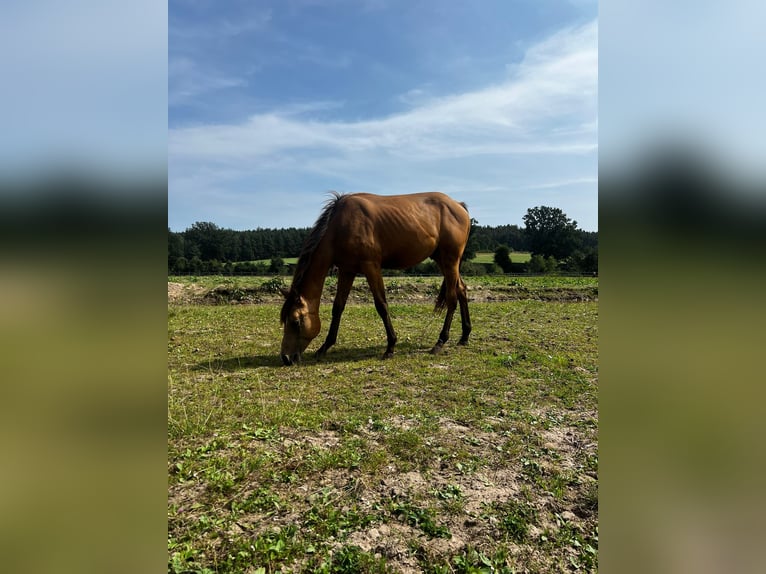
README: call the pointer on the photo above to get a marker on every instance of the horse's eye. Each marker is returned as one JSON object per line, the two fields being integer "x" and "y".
{"x": 296, "y": 323}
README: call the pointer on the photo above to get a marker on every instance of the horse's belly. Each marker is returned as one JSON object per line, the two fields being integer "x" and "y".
{"x": 405, "y": 258}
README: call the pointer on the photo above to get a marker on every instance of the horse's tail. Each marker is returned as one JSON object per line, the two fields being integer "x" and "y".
{"x": 441, "y": 299}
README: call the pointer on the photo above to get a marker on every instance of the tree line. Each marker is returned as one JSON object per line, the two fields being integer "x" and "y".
{"x": 554, "y": 240}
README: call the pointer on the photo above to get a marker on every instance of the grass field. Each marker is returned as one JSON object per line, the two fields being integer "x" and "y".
{"x": 482, "y": 459}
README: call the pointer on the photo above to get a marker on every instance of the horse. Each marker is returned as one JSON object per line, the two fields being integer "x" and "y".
{"x": 362, "y": 233}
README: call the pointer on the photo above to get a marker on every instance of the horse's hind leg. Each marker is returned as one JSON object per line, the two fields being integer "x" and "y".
{"x": 447, "y": 297}
{"x": 465, "y": 318}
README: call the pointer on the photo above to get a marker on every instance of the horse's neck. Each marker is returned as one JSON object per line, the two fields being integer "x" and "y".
{"x": 314, "y": 276}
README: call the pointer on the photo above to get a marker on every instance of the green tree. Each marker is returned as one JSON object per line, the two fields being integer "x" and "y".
{"x": 175, "y": 247}
{"x": 471, "y": 245}
{"x": 209, "y": 238}
{"x": 550, "y": 232}
{"x": 277, "y": 265}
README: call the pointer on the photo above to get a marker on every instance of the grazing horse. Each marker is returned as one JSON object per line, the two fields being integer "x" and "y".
{"x": 363, "y": 233}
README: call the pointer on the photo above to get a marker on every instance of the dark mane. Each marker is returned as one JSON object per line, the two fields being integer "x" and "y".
{"x": 309, "y": 246}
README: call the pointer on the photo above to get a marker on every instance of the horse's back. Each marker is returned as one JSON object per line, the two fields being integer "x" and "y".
{"x": 400, "y": 230}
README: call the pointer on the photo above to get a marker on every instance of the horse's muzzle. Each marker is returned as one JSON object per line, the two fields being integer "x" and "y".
{"x": 293, "y": 359}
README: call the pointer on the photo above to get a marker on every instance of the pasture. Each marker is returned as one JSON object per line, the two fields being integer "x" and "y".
{"x": 481, "y": 459}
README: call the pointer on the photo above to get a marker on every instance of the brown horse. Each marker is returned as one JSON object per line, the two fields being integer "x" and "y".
{"x": 362, "y": 233}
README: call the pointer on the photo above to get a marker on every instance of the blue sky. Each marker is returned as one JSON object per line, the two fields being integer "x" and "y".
{"x": 273, "y": 104}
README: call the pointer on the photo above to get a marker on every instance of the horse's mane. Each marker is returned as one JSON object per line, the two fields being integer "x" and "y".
{"x": 307, "y": 251}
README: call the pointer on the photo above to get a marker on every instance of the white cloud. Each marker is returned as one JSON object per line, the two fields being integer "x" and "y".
{"x": 536, "y": 110}
{"x": 534, "y": 130}
{"x": 187, "y": 81}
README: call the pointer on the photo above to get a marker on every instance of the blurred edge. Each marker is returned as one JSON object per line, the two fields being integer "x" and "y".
{"x": 682, "y": 334}
{"x": 682, "y": 224}
{"x": 83, "y": 409}
{"x": 83, "y": 196}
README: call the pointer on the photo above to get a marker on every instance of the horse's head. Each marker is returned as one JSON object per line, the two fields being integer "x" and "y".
{"x": 301, "y": 326}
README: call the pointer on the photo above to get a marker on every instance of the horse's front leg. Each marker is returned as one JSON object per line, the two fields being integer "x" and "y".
{"x": 345, "y": 281}
{"x": 378, "y": 288}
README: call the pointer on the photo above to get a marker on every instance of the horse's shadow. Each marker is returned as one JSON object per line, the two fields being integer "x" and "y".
{"x": 351, "y": 355}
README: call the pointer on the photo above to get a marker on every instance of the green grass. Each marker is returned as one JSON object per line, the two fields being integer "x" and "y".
{"x": 482, "y": 457}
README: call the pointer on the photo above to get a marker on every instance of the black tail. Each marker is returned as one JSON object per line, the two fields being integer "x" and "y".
{"x": 441, "y": 299}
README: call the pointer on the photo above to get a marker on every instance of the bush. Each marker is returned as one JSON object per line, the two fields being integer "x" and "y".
{"x": 473, "y": 269}
{"x": 179, "y": 266}
{"x": 540, "y": 264}
{"x": 503, "y": 258}
{"x": 273, "y": 285}
{"x": 196, "y": 266}
{"x": 214, "y": 267}
{"x": 425, "y": 268}
{"x": 582, "y": 261}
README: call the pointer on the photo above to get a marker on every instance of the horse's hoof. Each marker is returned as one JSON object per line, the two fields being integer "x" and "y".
{"x": 387, "y": 355}
{"x": 436, "y": 350}
{"x": 462, "y": 342}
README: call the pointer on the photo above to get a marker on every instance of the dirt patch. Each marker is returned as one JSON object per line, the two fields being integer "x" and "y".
{"x": 179, "y": 293}
{"x": 193, "y": 293}
{"x": 562, "y": 294}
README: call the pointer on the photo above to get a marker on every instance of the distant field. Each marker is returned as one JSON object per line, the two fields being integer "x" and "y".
{"x": 489, "y": 257}
{"x": 287, "y": 261}
{"x": 482, "y": 459}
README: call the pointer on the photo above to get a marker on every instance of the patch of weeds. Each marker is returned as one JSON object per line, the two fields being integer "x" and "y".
{"x": 220, "y": 480}
{"x": 584, "y": 548}
{"x": 182, "y": 559}
{"x": 259, "y": 501}
{"x": 516, "y": 518}
{"x": 558, "y": 483}
{"x": 206, "y": 523}
{"x": 448, "y": 492}
{"x": 451, "y": 497}
{"x": 273, "y": 285}
{"x": 266, "y": 552}
{"x": 348, "y": 455}
{"x": 351, "y": 559}
{"x": 587, "y": 502}
{"x": 378, "y": 425}
{"x": 591, "y": 463}
{"x": 531, "y": 469}
{"x": 421, "y": 518}
{"x": 508, "y": 360}
{"x": 351, "y": 453}
{"x": 469, "y": 561}
{"x": 259, "y": 433}
{"x": 408, "y": 446}
{"x": 327, "y": 517}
